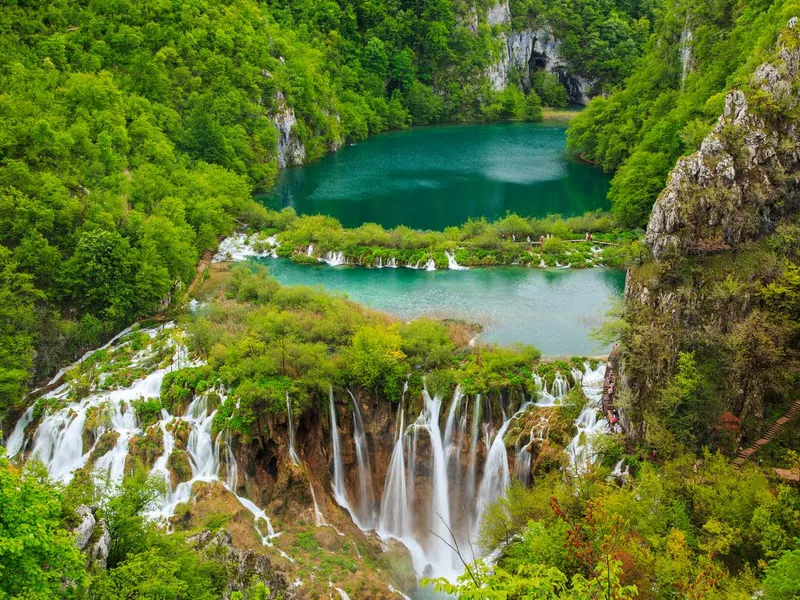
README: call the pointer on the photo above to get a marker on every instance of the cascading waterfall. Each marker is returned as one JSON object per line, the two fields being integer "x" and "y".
{"x": 395, "y": 515}
{"x": 366, "y": 497}
{"x": 424, "y": 515}
{"x": 310, "y": 250}
{"x": 333, "y": 259}
{"x": 339, "y": 489}
{"x": 292, "y": 452}
{"x": 59, "y": 438}
{"x": 451, "y": 262}
{"x": 17, "y": 440}
{"x": 473, "y": 449}
{"x": 430, "y": 265}
{"x": 580, "y": 451}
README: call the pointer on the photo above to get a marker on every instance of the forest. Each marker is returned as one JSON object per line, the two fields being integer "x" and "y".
{"x": 133, "y": 137}
{"x": 132, "y": 134}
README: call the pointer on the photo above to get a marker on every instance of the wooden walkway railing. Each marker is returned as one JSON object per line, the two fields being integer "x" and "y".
{"x": 771, "y": 432}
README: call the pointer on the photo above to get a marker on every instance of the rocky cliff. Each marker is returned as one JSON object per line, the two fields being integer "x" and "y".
{"x": 722, "y": 234}
{"x": 743, "y": 179}
{"x": 529, "y": 50}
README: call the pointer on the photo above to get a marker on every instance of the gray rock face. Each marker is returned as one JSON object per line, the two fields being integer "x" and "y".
{"x": 534, "y": 49}
{"x": 100, "y": 549}
{"x": 243, "y": 566}
{"x": 290, "y": 149}
{"x": 745, "y": 176}
{"x": 499, "y": 14}
{"x": 91, "y": 528}
{"x": 85, "y": 529}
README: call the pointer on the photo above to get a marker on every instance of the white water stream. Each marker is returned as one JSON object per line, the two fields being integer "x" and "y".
{"x": 436, "y": 489}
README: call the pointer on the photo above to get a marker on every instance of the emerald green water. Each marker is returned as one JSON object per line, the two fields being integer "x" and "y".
{"x": 434, "y": 177}
{"x": 551, "y": 309}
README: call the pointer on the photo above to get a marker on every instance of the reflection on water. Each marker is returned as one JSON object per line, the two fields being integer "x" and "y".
{"x": 434, "y": 177}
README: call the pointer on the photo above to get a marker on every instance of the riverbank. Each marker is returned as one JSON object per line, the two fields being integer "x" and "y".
{"x": 551, "y": 242}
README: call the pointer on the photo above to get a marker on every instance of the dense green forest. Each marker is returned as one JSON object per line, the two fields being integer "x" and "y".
{"x": 699, "y": 51}
{"x": 132, "y": 138}
{"x": 133, "y": 133}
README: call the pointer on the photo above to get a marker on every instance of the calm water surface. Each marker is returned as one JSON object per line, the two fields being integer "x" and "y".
{"x": 433, "y": 177}
{"x": 550, "y": 309}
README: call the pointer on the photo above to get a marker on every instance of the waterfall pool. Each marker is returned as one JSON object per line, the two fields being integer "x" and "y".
{"x": 434, "y": 177}
{"x": 552, "y": 309}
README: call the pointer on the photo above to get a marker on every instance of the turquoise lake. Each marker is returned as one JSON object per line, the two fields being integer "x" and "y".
{"x": 434, "y": 177}
{"x": 552, "y": 309}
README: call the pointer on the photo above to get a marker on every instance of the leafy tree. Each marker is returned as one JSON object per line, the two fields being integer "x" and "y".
{"x": 533, "y": 108}
{"x": 37, "y": 553}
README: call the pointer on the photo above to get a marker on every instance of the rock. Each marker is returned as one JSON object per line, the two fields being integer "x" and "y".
{"x": 84, "y": 531}
{"x": 290, "y": 149}
{"x": 499, "y": 14}
{"x": 536, "y": 49}
{"x": 92, "y": 537}
{"x": 743, "y": 178}
{"x": 244, "y": 566}
{"x": 100, "y": 549}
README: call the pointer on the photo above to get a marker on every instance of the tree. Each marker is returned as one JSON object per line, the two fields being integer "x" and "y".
{"x": 100, "y": 274}
{"x": 533, "y": 108}
{"x": 18, "y": 325}
{"x": 37, "y": 553}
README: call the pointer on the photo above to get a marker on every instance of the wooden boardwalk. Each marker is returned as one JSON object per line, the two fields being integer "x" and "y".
{"x": 771, "y": 432}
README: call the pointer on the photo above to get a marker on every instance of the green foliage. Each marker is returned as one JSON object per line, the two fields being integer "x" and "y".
{"x": 375, "y": 360}
{"x": 665, "y": 108}
{"x": 532, "y": 111}
{"x": 782, "y": 578}
{"x": 18, "y": 324}
{"x": 37, "y": 554}
{"x": 547, "y": 87}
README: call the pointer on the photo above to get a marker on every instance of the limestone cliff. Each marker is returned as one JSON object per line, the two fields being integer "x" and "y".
{"x": 743, "y": 179}
{"x": 529, "y": 50}
{"x": 722, "y": 232}
{"x": 290, "y": 148}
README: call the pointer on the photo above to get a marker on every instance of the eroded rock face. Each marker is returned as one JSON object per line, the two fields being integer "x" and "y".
{"x": 92, "y": 537}
{"x": 536, "y": 49}
{"x": 745, "y": 176}
{"x": 244, "y": 567}
{"x": 290, "y": 149}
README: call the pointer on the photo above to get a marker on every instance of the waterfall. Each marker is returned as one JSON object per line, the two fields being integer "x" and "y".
{"x": 379, "y": 263}
{"x": 496, "y": 476}
{"x": 366, "y": 497}
{"x": 522, "y": 465}
{"x": 232, "y": 468}
{"x": 395, "y": 516}
{"x": 59, "y": 438}
{"x": 440, "y": 517}
{"x": 430, "y": 265}
{"x": 292, "y": 453}
{"x": 473, "y": 449}
{"x": 560, "y": 386}
{"x": 392, "y": 264}
{"x": 333, "y": 259}
{"x": 339, "y": 489}
{"x": 123, "y": 421}
{"x": 16, "y": 441}
{"x": 319, "y": 520}
{"x": 451, "y": 262}
{"x": 310, "y": 250}
{"x": 588, "y": 425}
